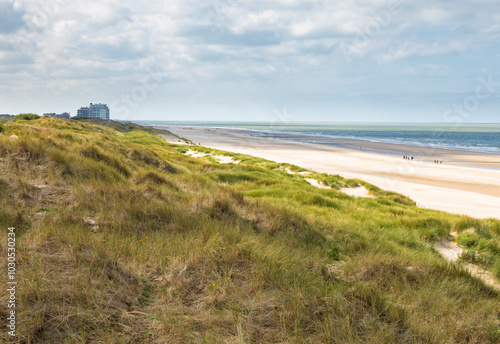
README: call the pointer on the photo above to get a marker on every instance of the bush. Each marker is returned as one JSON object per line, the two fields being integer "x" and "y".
{"x": 26, "y": 117}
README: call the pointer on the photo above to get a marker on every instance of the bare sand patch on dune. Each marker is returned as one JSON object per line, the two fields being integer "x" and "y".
{"x": 221, "y": 159}
{"x": 359, "y": 191}
{"x": 317, "y": 183}
{"x": 303, "y": 173}
{"x": 452, "y": 252}
{"x": 196, "y": 154}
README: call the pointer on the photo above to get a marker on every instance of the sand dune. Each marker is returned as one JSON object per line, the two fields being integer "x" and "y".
{"x": 450, "y": 186}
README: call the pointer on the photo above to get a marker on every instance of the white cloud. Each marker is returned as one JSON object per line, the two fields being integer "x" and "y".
{"x": 426, "y": 70}
{"x": 424, "y": 49}
{"x": 227, "y": 41}
{"x": 436, "y": 16}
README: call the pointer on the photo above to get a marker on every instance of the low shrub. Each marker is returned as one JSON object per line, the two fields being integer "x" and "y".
{"x": 26, "y": 117}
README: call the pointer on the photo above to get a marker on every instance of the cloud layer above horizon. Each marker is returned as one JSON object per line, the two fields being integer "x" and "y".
{"x": 245, "y": 60}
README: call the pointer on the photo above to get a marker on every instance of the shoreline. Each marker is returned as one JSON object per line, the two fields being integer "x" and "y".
{"x": 460, "y": 157}
{"x": 452, "y": 186}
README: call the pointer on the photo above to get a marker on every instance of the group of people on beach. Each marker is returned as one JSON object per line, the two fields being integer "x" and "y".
{"x": 406, "y": 157}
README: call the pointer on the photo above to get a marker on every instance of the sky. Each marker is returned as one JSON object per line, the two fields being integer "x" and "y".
{"x": 254, "y": 60}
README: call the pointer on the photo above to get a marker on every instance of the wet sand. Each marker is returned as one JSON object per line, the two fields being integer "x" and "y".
{"x": 465, "y": 183}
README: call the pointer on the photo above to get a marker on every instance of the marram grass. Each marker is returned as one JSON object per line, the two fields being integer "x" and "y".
{"x": 122, "y": 238}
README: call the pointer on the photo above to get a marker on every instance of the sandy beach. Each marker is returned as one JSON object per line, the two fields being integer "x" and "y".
{"x": 465, "y": 183}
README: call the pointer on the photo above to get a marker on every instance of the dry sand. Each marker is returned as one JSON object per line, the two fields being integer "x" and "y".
{"x": 317, "y": 184}
{"x": 359, "y": 191}
{"x": 466, "y": 189}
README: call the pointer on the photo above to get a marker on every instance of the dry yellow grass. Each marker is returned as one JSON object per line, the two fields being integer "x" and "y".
{"x": 124, "y": 239}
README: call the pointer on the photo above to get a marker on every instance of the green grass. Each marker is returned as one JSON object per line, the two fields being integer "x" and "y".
{"x": 141, "y": 243}
{"x": 480, "y": 238}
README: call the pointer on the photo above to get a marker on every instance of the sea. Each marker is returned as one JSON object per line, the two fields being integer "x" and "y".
{"x": 483, "y": 138}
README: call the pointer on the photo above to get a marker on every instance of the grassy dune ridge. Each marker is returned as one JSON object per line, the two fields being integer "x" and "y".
{"x": 122, "y": 238}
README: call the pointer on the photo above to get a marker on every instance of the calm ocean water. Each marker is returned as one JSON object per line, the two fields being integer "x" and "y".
{"x": 472, "y": 141}
{"x": 471, "y": 137}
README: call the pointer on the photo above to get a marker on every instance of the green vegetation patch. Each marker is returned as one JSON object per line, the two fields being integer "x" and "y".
{"x": 124, "y": 238}
{"x": 26, "y": 117}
